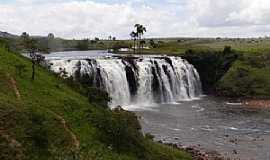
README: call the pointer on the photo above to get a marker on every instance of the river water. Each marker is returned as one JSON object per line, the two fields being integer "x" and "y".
{"x": 210, "y": 124}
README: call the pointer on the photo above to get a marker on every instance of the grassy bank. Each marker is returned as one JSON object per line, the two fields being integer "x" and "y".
{"x": 233, "y": 73}
{"x": 48, "y": 119}
{"x": 249, "y": 77}
{"x": 178, "y": 46}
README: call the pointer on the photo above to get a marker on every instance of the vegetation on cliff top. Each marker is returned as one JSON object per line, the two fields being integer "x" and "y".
{"x": 48, "y": 119}
{"x": 248, "y": 77}
{"x": 232, "y": 73}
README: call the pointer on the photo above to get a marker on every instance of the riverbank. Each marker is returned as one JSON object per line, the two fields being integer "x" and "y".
{"x": 197, "y": 153}
{"x": 210, "y": 125}
{"x": 257, "y": 104}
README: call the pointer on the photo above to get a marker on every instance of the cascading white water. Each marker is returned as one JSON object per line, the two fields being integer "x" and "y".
{"x": 136, "y": 80}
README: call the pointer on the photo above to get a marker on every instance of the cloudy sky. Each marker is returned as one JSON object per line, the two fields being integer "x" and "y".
{"x": 163, "y": 18}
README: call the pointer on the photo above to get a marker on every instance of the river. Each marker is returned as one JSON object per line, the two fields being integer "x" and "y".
{"x": 211, "y": 124}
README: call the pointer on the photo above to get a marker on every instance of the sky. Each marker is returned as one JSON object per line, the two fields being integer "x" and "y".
{"x": 162, "y": 18}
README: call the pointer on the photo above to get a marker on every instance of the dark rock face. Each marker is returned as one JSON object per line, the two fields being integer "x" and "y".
{"x": 132, "y": 80}
{"x": 131, "y": 74}
{"x": 155, "y": 85}
{"x": 99, "y": 81}
{"x": 168, "y": 60}
{"x": 211, "y": 65}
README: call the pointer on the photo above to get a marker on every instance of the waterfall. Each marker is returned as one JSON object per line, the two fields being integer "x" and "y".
{"x": 136, "y": 80}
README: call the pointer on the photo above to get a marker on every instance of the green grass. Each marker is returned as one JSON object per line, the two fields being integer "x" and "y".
{"x": 30, "y": 127}
{"x": 249, "y": 77}
{"x": 178, "y": 46}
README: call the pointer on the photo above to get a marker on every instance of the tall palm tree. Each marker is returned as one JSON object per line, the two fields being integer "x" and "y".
{"x": 140, "y": 30}
{"x": 134, "y": 36}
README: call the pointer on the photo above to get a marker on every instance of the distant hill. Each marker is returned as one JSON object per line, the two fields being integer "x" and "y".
{"x": 7, "y": 35}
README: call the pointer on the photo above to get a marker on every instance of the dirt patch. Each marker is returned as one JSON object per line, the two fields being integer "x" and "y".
{"x": 75, "y": 140}
{"x": 13, "y": 83}
{"x": 12, "y": 147}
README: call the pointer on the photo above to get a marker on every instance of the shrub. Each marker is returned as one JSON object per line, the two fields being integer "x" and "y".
{"x": 20, "y": 69}
{"x": 119, "y": 129}
{"x": 98, "y": 96}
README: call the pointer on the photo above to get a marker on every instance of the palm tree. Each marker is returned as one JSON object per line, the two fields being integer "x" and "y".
{"x": 140, "y": 30}
{"x": 50, "y": 36}
{"x": 142, "y": 43}
{"x": 134, "y": 36}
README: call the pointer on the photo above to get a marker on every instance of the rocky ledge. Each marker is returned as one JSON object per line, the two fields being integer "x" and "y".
{"x": 196, "y": 153}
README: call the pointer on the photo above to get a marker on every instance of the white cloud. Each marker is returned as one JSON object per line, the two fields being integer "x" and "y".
{"x": 80, "y": 19}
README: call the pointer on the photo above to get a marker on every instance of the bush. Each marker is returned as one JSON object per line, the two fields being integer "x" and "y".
{"x": 119, "y": 129}
{"x": 83, "y": 45}
{"x": 245, "y": 80}
{"x": 98, "y": 97}
{"x": 211, "y": 65}
{"x": 38, "y": 133}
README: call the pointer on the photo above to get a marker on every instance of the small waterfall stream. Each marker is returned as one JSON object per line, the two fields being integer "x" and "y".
{"x": 136, "y": 80}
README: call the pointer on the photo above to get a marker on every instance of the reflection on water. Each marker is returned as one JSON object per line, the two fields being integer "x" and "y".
{"x": 212, "y": 124}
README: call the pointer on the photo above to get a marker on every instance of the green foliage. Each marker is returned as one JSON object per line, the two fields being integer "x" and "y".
{"x": 248, "y": 77}
{"x": 98, "y": 96}
{"x": 152, "y": 43}
{"x": 211, "y": 65}
{"x": 83, "y": 45}
{"x": 20, "y": 69}
{"x": 119, "y": 129}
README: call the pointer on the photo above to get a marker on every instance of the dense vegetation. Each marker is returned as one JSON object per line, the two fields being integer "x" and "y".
{"x": 249, "y": 77}
{"x": 51, "y": 118}
{"x": 232, "y": 73}
{"x": 212, "y": 65}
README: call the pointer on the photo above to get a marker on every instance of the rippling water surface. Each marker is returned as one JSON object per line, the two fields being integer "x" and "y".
{"x": 211, "y": 124}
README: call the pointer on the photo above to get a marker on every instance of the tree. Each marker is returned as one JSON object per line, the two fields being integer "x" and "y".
{"x": 36, "y": 59}
{"x": 140, "y": 30}
{"x": 134, "y": 36}
{"x": 50, "y": 42}
{"x": 30, "y": 45}
{"x": 152, "y": 43}
{"x": 50, "y": 36}
{"x": 142, "y": 43}
{"x": 110, "y": 38}
{"x": 83, "y": 45}
{"x": 227, "y": 50}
